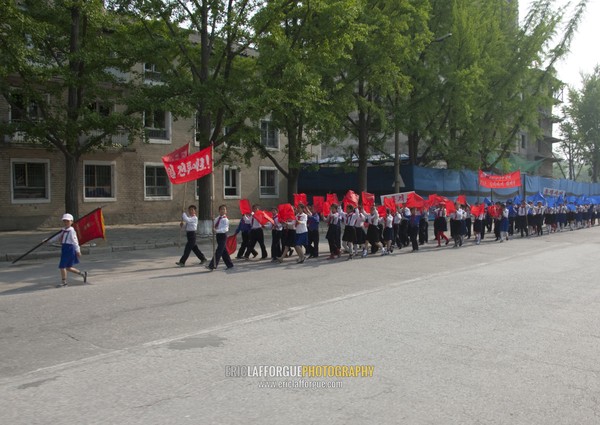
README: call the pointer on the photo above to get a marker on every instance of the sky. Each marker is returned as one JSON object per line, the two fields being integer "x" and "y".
{"x": 585, "y": 46}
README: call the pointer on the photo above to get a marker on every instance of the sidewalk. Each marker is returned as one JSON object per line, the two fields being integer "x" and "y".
{"x": 118, "y": 238}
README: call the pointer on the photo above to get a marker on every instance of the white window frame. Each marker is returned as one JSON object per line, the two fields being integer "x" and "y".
{"x": 238, "y": 188}
{"x": 167, "y": 140}
{"x": 113, "y": 175}
{"x": 260, "y": 194}
{"x": 12, "y": 176}
{"x": 269, "y": 123}
{"x": 157, "y": 198}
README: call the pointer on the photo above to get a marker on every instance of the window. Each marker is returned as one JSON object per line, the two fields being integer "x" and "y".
{"x": 157, "y": 184}
{"x": 269, "y": 135}
{"x": 268, "y": 186}
{"x": 30, "y": 180}
{"x": 23, "y": 109}
{"x": 151, "y": 73}
{"x": 104, "y": 110}
{"x": 231, "y": 182}
{"x": 157, "y": 125}
{"x": 523, "y": 141}
{"x": 99, "y": 180}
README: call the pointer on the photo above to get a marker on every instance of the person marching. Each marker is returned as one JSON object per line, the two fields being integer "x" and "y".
{"x": 221, "y": 226}
{"x": 413, "y": 228}
{"x": 301, "y": 241}
{"x": 521, "y": 220}
{"x": 388, "y": 232}
{"x": 70, "y": 250}
{"x": 349, "y": 236}
{"x": 313, "y": 232}
{"x": 190, "y": 222}
{"x": 333, "y": 232}
{"x": 504, "y": 213}
{"x": 361, "y": 236}
{"x": 256, "y": 235}
{"x": 373, "y": 234}
{"x": 440, "y": 225}
{"x": 276, "y": 235}
{"x": 288, "y": 240}
{"x": 245, "y": 226}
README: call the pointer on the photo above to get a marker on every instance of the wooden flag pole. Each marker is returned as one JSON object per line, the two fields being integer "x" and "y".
{"x": 212, "y": 192}
{"x": 50, "y": 237}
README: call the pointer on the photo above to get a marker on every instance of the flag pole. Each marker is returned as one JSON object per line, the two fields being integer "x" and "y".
{"x": 50, "y": 237}
{"x": 212, "y": 192}
{"x": 182, "y": 211}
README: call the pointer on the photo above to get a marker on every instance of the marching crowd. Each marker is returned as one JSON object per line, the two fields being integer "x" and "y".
{"x": 356, "y": 232}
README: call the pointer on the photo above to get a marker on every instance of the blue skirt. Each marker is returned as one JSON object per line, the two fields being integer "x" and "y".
{"x": 68, "y": 256}
{"x": 301, "y": 239}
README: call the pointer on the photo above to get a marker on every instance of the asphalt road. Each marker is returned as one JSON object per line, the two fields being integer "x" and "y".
{"x": 501, "y": 333}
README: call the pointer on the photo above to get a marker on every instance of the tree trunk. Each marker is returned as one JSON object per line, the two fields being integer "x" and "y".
{"x": 71, "y": 185}
{"x": 413, "y": 146}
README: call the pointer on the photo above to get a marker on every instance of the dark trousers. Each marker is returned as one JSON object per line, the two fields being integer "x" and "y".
{"x": 191, "y": 246}
{"x": 413, "y": 233}
{"x": 511, "y": 225}
{"x": 522, "y": 225}
{"x": 423, "y": 231}
{"x": 313, "y": 243}
{"x": 221, "y": 252}
{"x": 257, "y": 235}
{"x": 276, "y": 247}
{"x": 333, "y": 237}
{"x": 244, "y": 247}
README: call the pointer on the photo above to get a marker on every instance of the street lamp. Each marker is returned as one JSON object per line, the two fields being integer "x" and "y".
{"x": 398, "y": 182}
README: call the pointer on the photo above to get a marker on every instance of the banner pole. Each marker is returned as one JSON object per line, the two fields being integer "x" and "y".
{"x": 50, "y": 237}
{"x": 182, "y": 211}
{"x": 212, "y": 192}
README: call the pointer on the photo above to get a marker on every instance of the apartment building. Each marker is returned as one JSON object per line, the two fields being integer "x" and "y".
{"x": 128, "y": 180}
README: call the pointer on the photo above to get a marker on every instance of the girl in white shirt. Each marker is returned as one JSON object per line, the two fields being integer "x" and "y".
{"x": 70, "y": 251}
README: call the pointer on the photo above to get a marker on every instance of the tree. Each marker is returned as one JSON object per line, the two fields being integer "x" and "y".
{"x": 61, "y": 64}
{"x": 477, "y": 91}
{"x": 581, "y": 124}
{"x": 299, "y": 57}
{"x": 214, "y": 41}
{"x": 396, "y": 33}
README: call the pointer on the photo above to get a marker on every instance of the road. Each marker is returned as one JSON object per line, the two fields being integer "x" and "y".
{"x": 501, "y": 333}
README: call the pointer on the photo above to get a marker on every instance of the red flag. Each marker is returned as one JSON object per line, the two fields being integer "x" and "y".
{"x": 450, "y": 207}
{"x": 415, "y": 201}
{"x": 326, "y": 209}
{"x": 245, "y": 206}
{"x": 502, "y": 181}
{"x": 368, "y": 200}
{"x": 299, "y": 198}
{"x": 332, "y": 198}
{"x": 389, "y": 203}
{"x": 192, "y": 167}
{"x": 381, "y": 209}
{"x": 461, "y": 199}
{"x": 231, "y": 244}
{"x": 351, "y": 198}
{"x": 285, "y": 212}
{"x": 318, "y": 202}
{"x": 178, "y": 154}
{"x": 477, "y": 210}
{"x": 263, "y": 218}
{"x": 90, "y": 227}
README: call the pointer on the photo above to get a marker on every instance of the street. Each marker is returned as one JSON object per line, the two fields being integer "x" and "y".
{"x": 501, "y": 333}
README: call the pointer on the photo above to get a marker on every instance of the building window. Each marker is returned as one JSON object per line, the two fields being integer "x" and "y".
{"x": 151, "y": 73}
{"x": 99, "y": 180}
{"x": 523, "y": 141}
{"x": 30, "y": 180}
{"x": 268, "y": 184}
{"x": 24, "y": 109}
{"x": 231, "y": 182}
{"x": 269, "y": 135}
{"x": 102, "y": 109}
{"x": 157, "y": 124}
{"x": 157, "y": 184}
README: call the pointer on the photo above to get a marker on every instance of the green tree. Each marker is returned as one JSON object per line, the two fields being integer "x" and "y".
{"x": 396, "y": 33}
{"x": 582, "y": 121}
{"x": 473, "y": 95}
{"x": 61, "y": 69}
{"x": 214, "y": 41}
{"x": 299, "y": 57}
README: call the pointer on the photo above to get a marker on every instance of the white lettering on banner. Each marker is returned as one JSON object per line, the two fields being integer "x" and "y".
{"x": 200, "y": 164}
{"x": 399, "y": 198}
